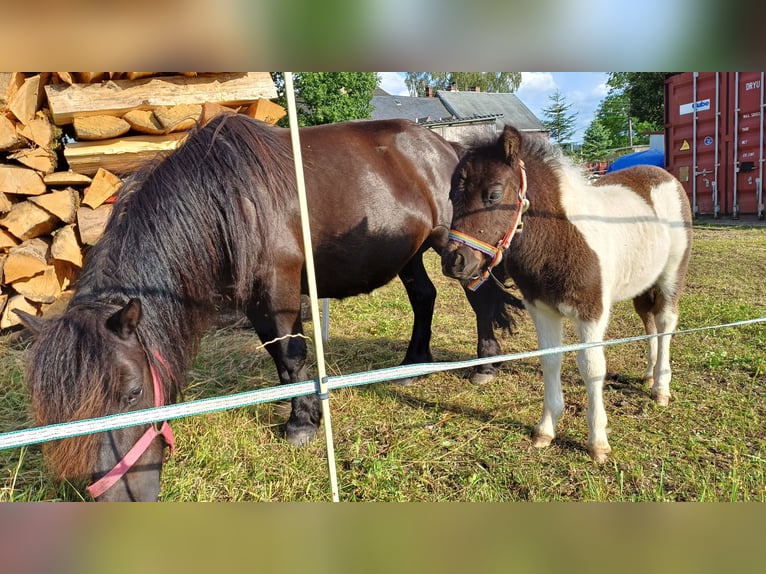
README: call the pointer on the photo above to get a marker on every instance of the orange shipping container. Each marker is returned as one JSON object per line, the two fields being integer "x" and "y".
{"x": 714, "y": 140}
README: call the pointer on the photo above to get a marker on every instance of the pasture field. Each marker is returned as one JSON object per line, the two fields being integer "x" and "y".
{"x": 443, "y": 439}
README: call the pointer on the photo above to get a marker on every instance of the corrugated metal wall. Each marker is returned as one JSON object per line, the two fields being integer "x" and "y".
{"x": 714, "y": 140}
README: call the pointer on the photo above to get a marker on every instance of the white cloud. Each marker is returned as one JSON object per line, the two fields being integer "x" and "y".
{"x": 537, "y": 82}
{"x": 393, "y": 83}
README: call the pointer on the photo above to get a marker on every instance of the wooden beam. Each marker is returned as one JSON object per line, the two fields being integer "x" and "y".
{"x": 116, "y": 97}
{"x": 120, "y": 156}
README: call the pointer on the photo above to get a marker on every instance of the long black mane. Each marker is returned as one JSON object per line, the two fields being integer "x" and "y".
{"x": 189, "y": 228}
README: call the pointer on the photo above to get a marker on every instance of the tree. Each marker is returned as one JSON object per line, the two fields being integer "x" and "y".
{"x": 328, "y": 97}
{"x": 646, "y": 95}
{"x": 419, "y": 82}
{"x": 596, "y": 142}
{"x": 557, "y": 119}
{"x": 613, "y": 115}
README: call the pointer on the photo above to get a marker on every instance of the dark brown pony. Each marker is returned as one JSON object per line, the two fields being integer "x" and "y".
{"x": 220, "y": 217}
{"x": 582, "y": 247}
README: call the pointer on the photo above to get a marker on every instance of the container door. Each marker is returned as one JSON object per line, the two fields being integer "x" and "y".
{"x": 747, "y": 165}
{"x": 695, "y": 142}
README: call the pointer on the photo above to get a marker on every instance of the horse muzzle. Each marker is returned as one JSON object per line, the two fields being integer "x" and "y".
{"x": 461, "y": 262}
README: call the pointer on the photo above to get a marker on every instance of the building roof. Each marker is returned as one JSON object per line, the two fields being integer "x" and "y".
{"x": 475, "y": 104}
{"x": 415, "y": 109}
{"x": 505, "y": 108}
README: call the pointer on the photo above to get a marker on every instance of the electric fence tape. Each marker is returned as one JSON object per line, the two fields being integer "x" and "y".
{"x": 36, "y": 435}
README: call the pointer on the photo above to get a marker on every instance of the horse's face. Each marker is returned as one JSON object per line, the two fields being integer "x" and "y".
{"x": 90, "y": 363}
{"x": 485, "y": 198}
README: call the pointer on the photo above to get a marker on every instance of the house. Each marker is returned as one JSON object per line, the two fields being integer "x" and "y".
{"x": 458, "y": 115}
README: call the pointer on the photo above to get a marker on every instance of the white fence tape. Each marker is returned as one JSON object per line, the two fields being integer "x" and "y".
{"x": 202, "y": 406}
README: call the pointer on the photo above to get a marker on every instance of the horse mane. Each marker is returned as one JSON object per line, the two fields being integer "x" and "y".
{"x": 184, "y": 230}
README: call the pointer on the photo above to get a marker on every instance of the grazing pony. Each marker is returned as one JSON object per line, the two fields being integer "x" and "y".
{"x": 220, "y": 217}
{"x": 582, "y": 248}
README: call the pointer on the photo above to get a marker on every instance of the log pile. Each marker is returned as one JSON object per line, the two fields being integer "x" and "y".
{"x": 67, "y": 141}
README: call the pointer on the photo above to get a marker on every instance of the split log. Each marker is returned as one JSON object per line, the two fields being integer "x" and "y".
{"x": 144, "y": 121}
{"x": 23, "y": 104}
{"x": 25, "y": 261}
{"x": 20, "y": 180}
{"x": 25, "y": 221}
{"x": 39, "y": 130}
{"x": 120, "y": 156}
{"x": 266, "y": 111}
{"x": 5, "y": 203}
{"x": 10, "y": 82}
{"x": 66, "y": 178}
{"x": 100, "y": 127}
{"x": 63, "y": 204}
{"x": 39, "y": 159}
{"x": 10, "y": 319}
{"x": 9, "y": 137}
{"x": 120, "y": 96}
{"x": 91, "y": 222}
{"x": 89, "y": 77}
{"x": 41, "y": 288}
{"x": 65, "y": 246}
{"x": 105, "y": 185}
{"x": 211, "y": 109}
{"x": 7, "y": 240}
{"x": 178, "y": 118}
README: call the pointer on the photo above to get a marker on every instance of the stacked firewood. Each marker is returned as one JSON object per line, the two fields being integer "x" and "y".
{"x": 67, "y": 141}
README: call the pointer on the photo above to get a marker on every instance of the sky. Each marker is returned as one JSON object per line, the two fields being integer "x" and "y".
{"x": 584, "y": 90}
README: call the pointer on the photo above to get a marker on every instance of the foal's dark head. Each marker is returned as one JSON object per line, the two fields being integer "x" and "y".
{"x": 90, "y": 363}
{"x": 485, "y": 196}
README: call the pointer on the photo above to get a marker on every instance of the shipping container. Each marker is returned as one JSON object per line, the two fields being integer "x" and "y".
{"x": 714, "y": 140}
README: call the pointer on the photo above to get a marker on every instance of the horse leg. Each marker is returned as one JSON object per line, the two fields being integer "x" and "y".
{"x": 667, "y": 319}
{"x": 659, "y": 314}
{"x": 484, "y": 306}
{"x": 592, "y": 366}
{"x": 644, "y": 306}
{"x": 422, "y": 295}
{"x": 549, "y": 326}
{"x": 289, "y": 356}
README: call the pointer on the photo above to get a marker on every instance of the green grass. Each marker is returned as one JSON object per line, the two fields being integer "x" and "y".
{"x": 443, "y": 439}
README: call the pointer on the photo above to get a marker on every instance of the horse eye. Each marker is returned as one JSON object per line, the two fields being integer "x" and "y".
{"x": 495, "y": 196}
{"x": 134, "y": 395}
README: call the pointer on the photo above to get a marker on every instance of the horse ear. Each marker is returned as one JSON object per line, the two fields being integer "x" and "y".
{"x": 511, "y": 143}
{"x": 34, "y": 324}
{"x": 125, "y": 321}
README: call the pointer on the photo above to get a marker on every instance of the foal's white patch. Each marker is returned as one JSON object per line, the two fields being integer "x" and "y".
{"x": 634, "y": 241}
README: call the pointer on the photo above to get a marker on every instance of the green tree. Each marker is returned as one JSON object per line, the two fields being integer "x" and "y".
{"x": 328, "y": 97}
{"x": 418, "y": 82}
{"x": 613, "y": 115}
{"x": 646, "y": 96}
{"x": 557, "y": 119}
{"x": 596, "y": 142}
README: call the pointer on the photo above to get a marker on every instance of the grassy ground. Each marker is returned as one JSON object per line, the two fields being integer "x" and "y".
{"x": 444, "y": 439}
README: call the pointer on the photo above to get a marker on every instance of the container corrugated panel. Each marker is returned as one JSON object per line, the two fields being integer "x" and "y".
{"x": 695, "y": 140}
{"x": 748, "y": 153}
{"x": 714, "y": 140}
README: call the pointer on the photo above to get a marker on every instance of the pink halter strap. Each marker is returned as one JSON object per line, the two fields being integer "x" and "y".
{"x": 121, "y": 468}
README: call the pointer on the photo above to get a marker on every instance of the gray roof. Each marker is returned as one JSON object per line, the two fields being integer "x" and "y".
{"x": 448, "y": 105}
{"x": 474, "y": 104}
{"x": 414, "y": 109}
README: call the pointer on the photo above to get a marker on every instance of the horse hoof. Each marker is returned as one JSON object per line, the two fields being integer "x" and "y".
{"x": 300, "y": 437}
{"x": 662, "y": 399}
{"x": 599, "y": 454}
{"x": 541, "y": 441}
{"x": 482, "y": 378}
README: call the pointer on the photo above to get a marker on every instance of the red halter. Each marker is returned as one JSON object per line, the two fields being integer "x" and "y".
{"x": 496, "y": 251}
{"x": 121, "y": 468}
